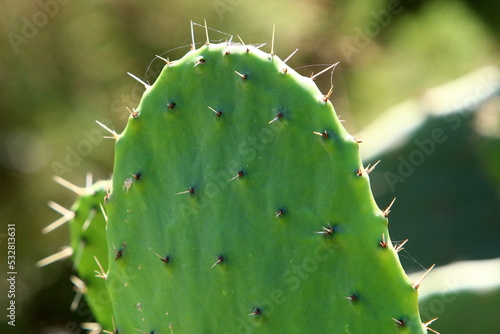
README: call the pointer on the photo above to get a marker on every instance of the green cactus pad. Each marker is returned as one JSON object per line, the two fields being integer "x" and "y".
{"x": 88, "y": 240}
{"x": 239, "y": 205}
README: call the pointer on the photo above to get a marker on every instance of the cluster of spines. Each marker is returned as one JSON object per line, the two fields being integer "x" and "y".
{"x": 93, "y": 195}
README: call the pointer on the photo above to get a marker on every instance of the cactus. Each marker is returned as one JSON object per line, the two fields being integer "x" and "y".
{"x": 88, "y": 239}
{"x": 88, "y": 247}
{"x": 239, "y": 204}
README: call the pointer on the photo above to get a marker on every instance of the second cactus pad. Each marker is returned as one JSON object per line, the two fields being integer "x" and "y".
{"x": 240, "y": 205}
{"x": 88, "y": 240}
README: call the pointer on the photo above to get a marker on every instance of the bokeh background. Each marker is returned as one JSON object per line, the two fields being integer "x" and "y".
{"x": 63, "y": 65}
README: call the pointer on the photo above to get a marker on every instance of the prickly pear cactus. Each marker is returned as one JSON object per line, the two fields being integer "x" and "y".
{"x": 239, "y": 205}
{"x": 88, "y": 241}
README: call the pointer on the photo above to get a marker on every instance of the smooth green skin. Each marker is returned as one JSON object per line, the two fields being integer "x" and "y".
{"x": 88, "y": 239}
{"x": 299, "y": 279}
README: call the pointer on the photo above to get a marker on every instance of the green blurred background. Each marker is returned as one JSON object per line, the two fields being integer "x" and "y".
{"x": 63, "y": 65}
